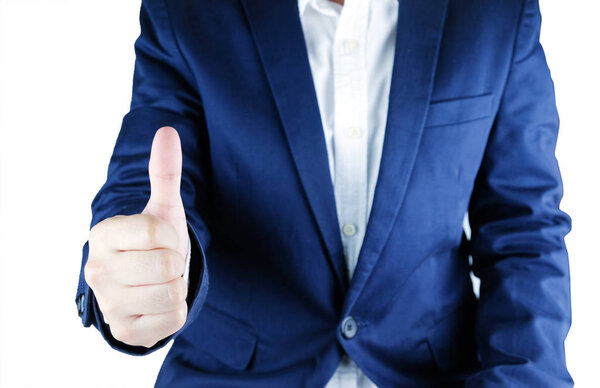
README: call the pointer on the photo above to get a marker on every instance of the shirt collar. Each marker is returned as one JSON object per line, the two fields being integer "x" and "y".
{"x": 324, "y": 6}
{"x": 302, "y": 5}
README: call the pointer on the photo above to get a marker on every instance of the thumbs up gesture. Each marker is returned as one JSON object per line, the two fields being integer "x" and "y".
{"x": 135, "y": 263}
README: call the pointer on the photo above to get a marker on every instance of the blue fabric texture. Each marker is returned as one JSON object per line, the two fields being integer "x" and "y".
{"x": 472, "y": 127}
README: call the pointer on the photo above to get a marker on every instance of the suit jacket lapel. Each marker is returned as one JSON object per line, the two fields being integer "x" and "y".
{"x": 280, "y": 41}
{"x": 419, "y": 31}
{"x": 278, "y": 34}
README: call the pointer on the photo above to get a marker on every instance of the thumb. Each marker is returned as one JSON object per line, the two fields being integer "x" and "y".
{"x": 164, "y": 170}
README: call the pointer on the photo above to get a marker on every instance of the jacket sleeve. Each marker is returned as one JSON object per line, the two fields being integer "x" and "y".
{"x": 164, "y": 93}
{"x": 518, "y": 230}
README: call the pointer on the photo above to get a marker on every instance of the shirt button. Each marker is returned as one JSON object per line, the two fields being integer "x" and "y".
{"x": 354, "y": 132}
{"x": 349, "y": 230}
{"x": 349, "y": 327}
{"x": 350, "y": 45}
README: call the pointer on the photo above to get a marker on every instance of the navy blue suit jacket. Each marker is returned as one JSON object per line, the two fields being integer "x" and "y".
{"x": 472, "y": 126}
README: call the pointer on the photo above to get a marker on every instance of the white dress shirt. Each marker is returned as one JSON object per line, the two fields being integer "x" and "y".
{"x": 351, "y": 53}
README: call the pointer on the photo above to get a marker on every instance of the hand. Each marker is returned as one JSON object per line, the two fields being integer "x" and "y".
{"x": 135, "y": 263}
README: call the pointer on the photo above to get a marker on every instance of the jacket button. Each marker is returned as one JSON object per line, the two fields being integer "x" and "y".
{"x": 349, "y": 327}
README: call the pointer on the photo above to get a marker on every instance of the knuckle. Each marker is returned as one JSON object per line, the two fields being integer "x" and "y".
{"x": 93, "y": 273}
{"x": 180, "y": 317}
{"x": 94, "y": 239}
{"x": 107, "y": 307}
{"x": 176, "y": 291}
{"x": 166, "y": 265}
{"x": 95, "y": 232}
{"x": 99, "y": 229}
{"x": 123, "y": 333}
{"x": 100, "y": 233}
{"x": 175, "y": 320}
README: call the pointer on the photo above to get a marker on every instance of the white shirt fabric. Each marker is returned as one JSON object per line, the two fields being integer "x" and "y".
{"x": 351, "y": 54}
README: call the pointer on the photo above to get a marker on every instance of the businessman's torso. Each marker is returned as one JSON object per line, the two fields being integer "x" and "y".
{"x": 278, "y": 290}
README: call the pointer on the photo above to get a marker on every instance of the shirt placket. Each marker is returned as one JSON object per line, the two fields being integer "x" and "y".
{"x": 350, "y": 126}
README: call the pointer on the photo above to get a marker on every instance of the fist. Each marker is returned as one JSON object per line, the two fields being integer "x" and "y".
{"x": 135, "y": 263}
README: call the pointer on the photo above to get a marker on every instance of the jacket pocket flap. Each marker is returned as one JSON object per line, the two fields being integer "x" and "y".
{"x": 459, "y": 110}
{"x": 228, "y": 340}
{"x": 452, "y": 340}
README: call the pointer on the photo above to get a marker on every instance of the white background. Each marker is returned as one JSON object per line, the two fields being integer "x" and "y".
{"x": 65, "y": 84}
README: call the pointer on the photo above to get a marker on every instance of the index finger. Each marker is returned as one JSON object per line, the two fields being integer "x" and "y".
{"x": 135, "y": 232}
